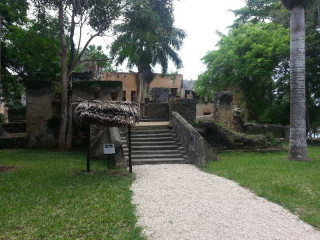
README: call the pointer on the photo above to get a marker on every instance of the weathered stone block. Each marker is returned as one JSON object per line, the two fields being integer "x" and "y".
{"x": 100, "y": 135}
{"x": 222, "y": 110}
{"x": 159, "y": 94}
{"x": 187, "y": 108}
{"x": 158, "y": 110}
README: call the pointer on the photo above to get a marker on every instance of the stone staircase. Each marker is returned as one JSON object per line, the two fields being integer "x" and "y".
{"x": 153, "y": 144}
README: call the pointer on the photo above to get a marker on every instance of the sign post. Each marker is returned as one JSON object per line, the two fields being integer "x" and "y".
{"x": 109, "y": 149}
{"x": 129, "y": 141}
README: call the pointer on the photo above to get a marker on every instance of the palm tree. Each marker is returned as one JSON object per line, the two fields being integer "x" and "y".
{"x": 148, "y": 37}
{"x": 298, "y": 141}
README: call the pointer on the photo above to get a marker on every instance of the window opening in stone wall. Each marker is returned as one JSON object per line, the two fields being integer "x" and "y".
{"x": 133, "y": 96}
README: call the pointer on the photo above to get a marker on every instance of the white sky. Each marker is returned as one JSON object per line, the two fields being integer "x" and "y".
{"x": 200, "y": 19}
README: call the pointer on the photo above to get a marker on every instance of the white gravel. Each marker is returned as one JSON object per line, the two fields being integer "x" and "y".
{"x": 181, "y": 202}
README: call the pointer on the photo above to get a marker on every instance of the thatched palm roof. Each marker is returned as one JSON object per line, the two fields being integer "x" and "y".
{"x": 109, "y": 113}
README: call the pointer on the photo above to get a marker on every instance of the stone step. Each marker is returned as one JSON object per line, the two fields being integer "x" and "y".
{"x": 159, "y": 161}
{"x": 162, "y": 143}
{"x": 154, "y": 147}
{"x": 157, "y": 156}
{"x": 151, "y": 131}
{"x": 154, "y": 151}
{"x": 154, "y": 143}
{"x": 152, "y": 139}
{"x": 141, "y": 135}
{"x": 150, "y": 127}
{"x": 153, "y": 120}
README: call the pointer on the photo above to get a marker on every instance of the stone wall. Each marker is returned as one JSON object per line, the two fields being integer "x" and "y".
{"x": 167, "y": 81}
{"x": 204, "y": 109}
{"x": 222, "y": 109}
{"x": 159, "y": 94}
{"x": 43, "y": 110}
{"x": 13, "y": 142}
{"x": 15, "y": 127}
{"x": 3, "y": 110}
{"x": 223, "y": 138}
{"x": 313, "y": 142}
{"x": 197, "y": 149}
{"x": 259, "y": 128}
{"x": 97, "y": 89}
{"x": 187, "y": 108}
{"x": 15, "y": 115}
{"x": 131, "y": 81}
{"x": 42, "y": 115}
{"x": 158, "y": 111}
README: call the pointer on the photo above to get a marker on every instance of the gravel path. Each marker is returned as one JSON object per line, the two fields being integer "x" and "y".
{"x": 181, "y": 202}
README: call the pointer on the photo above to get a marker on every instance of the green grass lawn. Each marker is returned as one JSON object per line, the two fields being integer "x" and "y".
{"x": 50, "y": 197}
{"x": 294, "y": 185}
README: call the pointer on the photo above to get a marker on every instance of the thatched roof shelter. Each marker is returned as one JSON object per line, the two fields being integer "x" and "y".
{"x": 109, "y": 113}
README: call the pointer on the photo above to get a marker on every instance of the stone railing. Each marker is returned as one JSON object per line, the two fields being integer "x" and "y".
{"x": 198, "y": 150}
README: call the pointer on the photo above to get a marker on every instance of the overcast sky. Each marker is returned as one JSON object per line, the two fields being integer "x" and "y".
{"x": 200, "y": 19}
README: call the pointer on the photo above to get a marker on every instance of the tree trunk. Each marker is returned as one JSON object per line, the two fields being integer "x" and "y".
{"x": 64, "y": 81}
{"x": 2, "y": 132}
{"x": 140, "y": 95}
{"x": 298, "y": 141}
{"x": 70, "y": 112}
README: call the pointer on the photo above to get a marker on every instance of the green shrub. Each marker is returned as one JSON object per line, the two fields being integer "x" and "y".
{"x": 2, "y": 118}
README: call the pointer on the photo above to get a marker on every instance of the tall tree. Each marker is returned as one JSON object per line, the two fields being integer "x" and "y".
{"x": 261, "y": 11}
{"x": 74, "y": 15}
{"x": 298, "y": 141}
{"x": 148, "y": 37}
{"x": 94, "y": 59}
{"x": 11, "y": 12}
{"x": 247, "y": 58}
{"x": 272, "y": 10}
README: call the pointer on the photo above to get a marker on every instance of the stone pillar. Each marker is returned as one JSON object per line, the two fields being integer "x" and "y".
{"x": 222, "y": 108}
{"x": 42, "y": 115}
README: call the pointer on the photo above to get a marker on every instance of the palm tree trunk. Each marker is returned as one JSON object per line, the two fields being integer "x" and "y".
{"x": 64, "y": 81}
{"x": 298, "y": 142}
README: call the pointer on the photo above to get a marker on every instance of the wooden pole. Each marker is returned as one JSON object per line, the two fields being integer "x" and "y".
{"x": 129, "y": 142}
{"x": 88, "y": 153}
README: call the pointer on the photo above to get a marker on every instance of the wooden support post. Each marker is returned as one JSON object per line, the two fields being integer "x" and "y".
{"x": 129, "y": 142}
{"x": 88, "y": 153}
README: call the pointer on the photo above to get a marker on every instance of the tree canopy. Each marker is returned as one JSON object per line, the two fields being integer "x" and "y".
{"x": 290, "y": 4}
{"x": 247, "y": 58}
{"x": 148, "y": 36}
{"x": 272, "y": 11}
{"x": 26, "y": 46}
